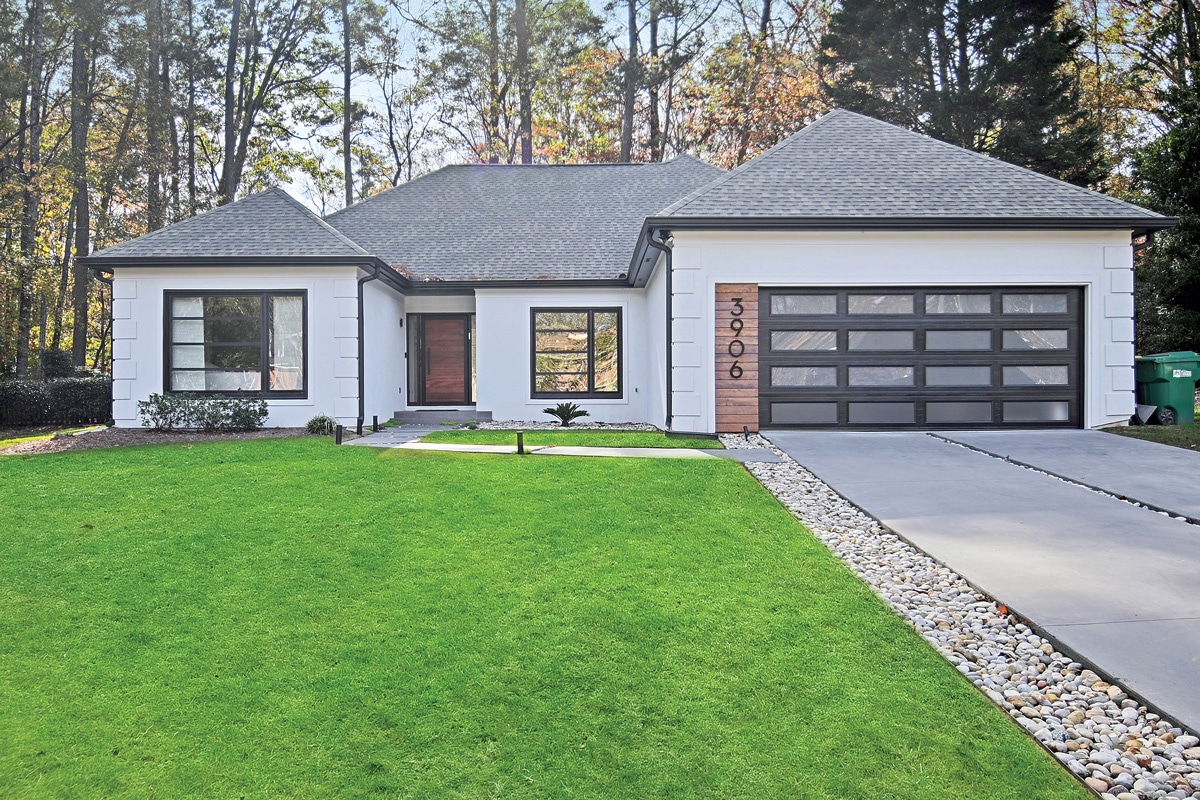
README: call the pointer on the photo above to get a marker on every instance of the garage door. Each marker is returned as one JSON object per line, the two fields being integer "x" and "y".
{"x": 936, "y": 357}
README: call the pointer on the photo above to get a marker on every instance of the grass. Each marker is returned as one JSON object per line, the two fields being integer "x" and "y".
{"x": 16, "y": 436}
{"x": 1185, "y": 436}
{"x": 578, "y": 438}
{"x": 286, "y": 618}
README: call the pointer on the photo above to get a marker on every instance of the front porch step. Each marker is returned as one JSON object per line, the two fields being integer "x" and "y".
{"x": 433, "y": 416}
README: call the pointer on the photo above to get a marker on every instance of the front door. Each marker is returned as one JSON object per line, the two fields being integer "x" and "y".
{"x": 442, "y": 359}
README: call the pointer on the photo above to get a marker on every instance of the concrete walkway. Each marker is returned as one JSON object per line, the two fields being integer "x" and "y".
{"x": 1166, "y": 478}
{"x": 409, "y": 438}
{"x": 1116, "y": 584}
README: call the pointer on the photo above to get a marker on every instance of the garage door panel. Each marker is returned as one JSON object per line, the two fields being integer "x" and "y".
{"x": 930, "y": 357}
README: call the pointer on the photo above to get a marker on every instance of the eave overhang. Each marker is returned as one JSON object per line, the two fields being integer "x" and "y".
{"x": 644, "y": 257}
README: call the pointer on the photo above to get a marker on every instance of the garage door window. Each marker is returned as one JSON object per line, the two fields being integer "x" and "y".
{"x": 802, "y": 304}
{"x": 958, "y": 304}
{"x": 881, "y": 340}
{"x": 958, "y": 376}
{"x": 804, "y": 340}
{"x": 1036, "y": 376}
{"x": 804, "y": 376}
{"x": 880, "y": 304}
{"x": 958, "y": 340}
{"x": 1035, "y": 340}
{"x": 881, "y": 376}
{"x": 1035, "y": 304}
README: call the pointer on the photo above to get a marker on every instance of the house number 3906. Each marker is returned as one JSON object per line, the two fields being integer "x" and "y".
{"x": 737, "y": 347}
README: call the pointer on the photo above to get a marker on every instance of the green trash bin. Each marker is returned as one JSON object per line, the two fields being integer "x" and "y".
{"x": 1168, "y": 380}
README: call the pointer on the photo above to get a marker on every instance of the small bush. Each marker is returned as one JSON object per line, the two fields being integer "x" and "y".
{"x": 321, "y": 425}
{"x": 565, "y": 413}
{"x": 56, "y": 364}
{"x": 166, "y": 412}
{"x": 246, "y": 414}
{"x": 64, "y": 401}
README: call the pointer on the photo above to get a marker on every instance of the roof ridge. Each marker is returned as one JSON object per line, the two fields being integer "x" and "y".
{"x": 738, "y": 170}
{"x": 1010, "y": 166}
{"x": 343, "y": 238}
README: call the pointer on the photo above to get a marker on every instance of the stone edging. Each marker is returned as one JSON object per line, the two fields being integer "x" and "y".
{"x": 1111, "y": 742}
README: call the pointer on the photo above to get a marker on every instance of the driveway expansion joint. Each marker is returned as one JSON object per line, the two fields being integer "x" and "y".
{"x": 1109, "y": 741}
{"x": 1133, "y": 501}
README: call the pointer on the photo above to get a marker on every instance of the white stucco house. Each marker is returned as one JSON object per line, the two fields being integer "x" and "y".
{"x": 856, "y": 275}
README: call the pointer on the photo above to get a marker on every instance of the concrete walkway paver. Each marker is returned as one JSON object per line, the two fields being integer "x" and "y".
{"x": 1158, "y": 475}
{"x": 1119, "y": 585}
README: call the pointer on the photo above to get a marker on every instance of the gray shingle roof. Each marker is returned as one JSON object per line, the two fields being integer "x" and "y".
{"x": 845, "y": 165}
{"x": 269, "y": 224}
{"x": 497, "y": 222}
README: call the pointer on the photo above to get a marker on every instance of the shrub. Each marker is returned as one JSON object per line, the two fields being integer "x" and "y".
{"x": 565, "y": 412}
{"x": 166, "y": 412}
{"x": 64, "y": 401}
{"x": 56, "y": 364}
{"x": 80, "y": 400}
{"x": 245, "y": 413}
{"x": 321, "y": 425}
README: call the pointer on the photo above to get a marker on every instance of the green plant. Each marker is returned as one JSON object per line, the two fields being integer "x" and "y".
{"x": 66, "y": 401}
{"x": 166, "y": 412}
{"x": 449, "y": 423}
{"x": 565, "y": 413}
{"x": 472, "y": 425}
{"x": 321, "y": 425}
{"x": 55, "y": 363}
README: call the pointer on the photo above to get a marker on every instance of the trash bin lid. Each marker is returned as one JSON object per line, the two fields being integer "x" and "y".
{"x": 1170, "y": 358}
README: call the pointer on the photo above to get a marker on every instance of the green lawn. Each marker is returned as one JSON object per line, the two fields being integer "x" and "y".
{"x": 286, "y": 618}
{"x": 578, "y": 438}
{"x": 1185, "y": 436}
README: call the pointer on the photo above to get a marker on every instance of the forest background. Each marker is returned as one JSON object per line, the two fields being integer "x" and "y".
{"x": 117, "y": 118}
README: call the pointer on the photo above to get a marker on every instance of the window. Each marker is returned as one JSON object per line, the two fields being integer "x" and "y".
{"x": 577, "y": 352}
{"x": 226, "y": 342}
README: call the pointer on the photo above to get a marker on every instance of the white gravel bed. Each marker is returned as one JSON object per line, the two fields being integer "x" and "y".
{"x": 578, "y": 425}
{"x": 1106, "y": 738}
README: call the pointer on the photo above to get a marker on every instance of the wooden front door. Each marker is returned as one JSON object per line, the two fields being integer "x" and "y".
{"x": 443, "y": 359}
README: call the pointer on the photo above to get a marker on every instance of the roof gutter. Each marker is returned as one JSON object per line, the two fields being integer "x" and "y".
{"x": 663, "y": 245}
{"x": 1138, "y": 224}
{"x": 362, "y": 369}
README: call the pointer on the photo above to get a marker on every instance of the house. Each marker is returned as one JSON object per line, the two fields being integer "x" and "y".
{"x": 856, "y": 275}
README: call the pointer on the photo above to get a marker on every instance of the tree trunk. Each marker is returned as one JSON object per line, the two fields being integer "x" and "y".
{"x": 631, "y": 75}
{"x": 656, "y": 144}
{"x": 81, "y": 112}
{"x": 64, "y": 276}
{"x": 229, "y": 165}
{"x": 190, "y": 122}
{"x": 156, "y": 207}
{"x": 493, "y": 121}
{"x": 347, "y": 66}
{"x": 31, "y": 197}
{"x": 524, "y": 81}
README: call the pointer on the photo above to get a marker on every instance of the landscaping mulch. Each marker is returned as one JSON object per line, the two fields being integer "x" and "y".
{"x": 121, "y": 437}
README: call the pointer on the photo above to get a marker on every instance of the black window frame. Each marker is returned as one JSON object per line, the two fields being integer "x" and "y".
{"x": 591, "y": 393}
{"x": 264, "y": 296}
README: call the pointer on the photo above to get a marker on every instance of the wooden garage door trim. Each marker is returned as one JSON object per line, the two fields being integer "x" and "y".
{"x": 830, "y": 406}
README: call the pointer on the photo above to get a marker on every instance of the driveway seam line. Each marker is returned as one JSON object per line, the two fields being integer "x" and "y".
{"x": 1133, "y": 501}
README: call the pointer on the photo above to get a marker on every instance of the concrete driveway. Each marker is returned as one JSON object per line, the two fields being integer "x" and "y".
{"x": 1117, "y": 584}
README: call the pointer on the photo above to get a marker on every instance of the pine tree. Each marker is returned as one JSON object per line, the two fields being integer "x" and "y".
{"x": 995, "y": 76}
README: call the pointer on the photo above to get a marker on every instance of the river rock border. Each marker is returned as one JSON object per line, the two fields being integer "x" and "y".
{"x": 1107, "y": 739}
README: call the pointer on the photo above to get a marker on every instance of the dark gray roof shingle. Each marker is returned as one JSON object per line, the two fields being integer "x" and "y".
{"x": 498, "y": 222}
{"x": 845, "y": 165}
{"x": 265, "y": 225}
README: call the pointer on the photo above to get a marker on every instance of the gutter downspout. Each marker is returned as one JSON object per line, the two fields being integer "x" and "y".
{"x": 663, "y": 245}
{"x": 362, "y": 398}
